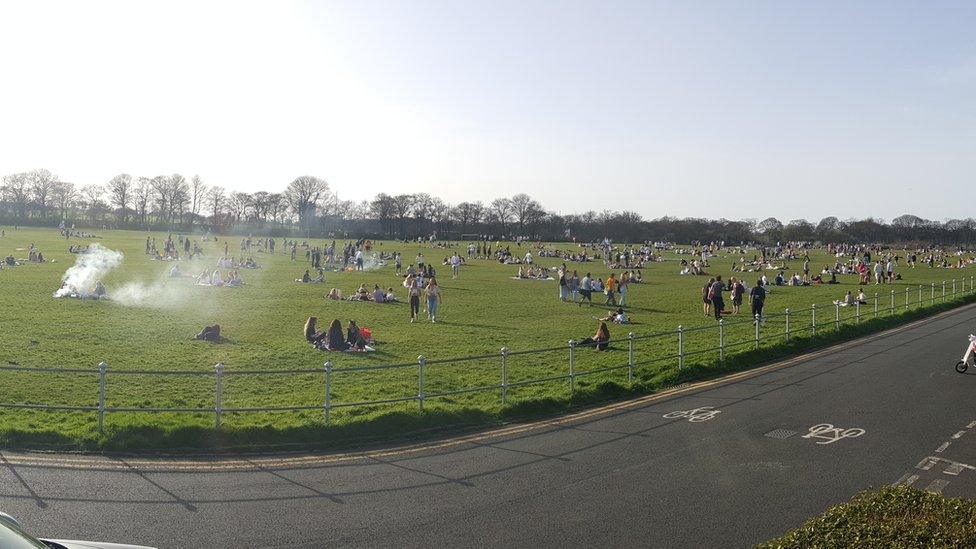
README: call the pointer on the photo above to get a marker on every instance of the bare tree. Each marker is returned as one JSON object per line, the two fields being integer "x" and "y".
{"x": 303, "y": 194}
{"x": 197, "y": 191}
{"x": 120, "y": 193}
{"x": 238, "y": 204}
{"x": 64, "y": 195}
{"x": 402, "y": 204}
{"x": 215, "y": 200}
{"x": 41, "y": 183}
{"x": 501, "y": 210}
{"x": 91, "y": 196}
{"x": 525, "y": 210}
{"x": 17, "y": 192}
{"x": 143, "y": 194}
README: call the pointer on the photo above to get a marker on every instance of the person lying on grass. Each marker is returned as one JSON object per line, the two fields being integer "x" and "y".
{"x": 209, "y": 333}
{"x": 617, "y": 317}
{"x": 600, "y": 340}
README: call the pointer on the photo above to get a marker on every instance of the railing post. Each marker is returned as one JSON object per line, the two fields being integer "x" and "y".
{"x": 102, "y": 367}
{"x": 757, "y": 331}
{"x": 857, "y": 311}
{"x": 218, "y": 394}
{"x": 933, "y": 293}
{"x": 943, "y": 291}
{"x": 328, "y": 391}
{"x": 504, "y": 375}
{"x": 630, "y": 357}
{"x": 572, "y": 366}
{"x": 681, "y": 347}
{"x": 787, "y": 325}
{"x": 953, "y": 287}
{"x": 919, "y": 304}
{"x": 875, "y": 304}
{"x": 892, "y": 308}
{"x": 837, "y": 315}
{"x": 422, "y": 362}
{"x": 813, "y": 318}
{"x": 907, "y": 293}
{"x": 721, "y": 339}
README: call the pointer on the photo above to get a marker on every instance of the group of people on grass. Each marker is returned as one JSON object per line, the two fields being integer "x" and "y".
{"x": 333, "y": 339}
{"x": 713, "y": 299}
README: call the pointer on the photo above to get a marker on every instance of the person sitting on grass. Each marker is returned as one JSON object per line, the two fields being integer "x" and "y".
{"x": 334, "y": 294}
{"x": 335, "y": 339}
{"x": 312, "y": 335}
{"x": 390, "y": 297}
{"x": 306, "y": 278}
{"x": 861, "y": 298}
{"x": 847, "y": 301}
{"x": 354, "y": 337}
{"x": 209, "y": 333}
{"x": 99, "y": 292}
{"x": 600, "y": 340}
{"x": 362, "y": 294}
{"x": 379, "y": 296}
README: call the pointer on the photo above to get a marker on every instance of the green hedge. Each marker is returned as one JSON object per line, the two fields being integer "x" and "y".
{"x": 889, "y": 517}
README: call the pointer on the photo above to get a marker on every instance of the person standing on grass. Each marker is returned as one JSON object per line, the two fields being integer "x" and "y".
{"x": 757, "y": 296}
{"x": 706, "y": 290}
{"x": 433, "y": 299}
{"x": 413, "y": 291}
{"x": 455, "y": 264}
{"x": 574, "y": 282}
{"x": 737, "y": 291}
{"x": 718, "y": 304}
{"x": 611, "y": 290}
{"x": 398, "y": 263}
{"x": 563, "y": 286}
{"x": 623, "y": 285}
{"x": 586, "y": 290}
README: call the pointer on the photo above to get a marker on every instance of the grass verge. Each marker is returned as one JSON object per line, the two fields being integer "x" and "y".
{"x": 889, "y": 517}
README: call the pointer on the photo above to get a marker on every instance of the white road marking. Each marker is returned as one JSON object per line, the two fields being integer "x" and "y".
{"x": 830, "y": 434}
{"x": 943, "y": 447}
{"x": 936, "y": 486}
{"x": 971, "y": 425}
{"x": 954, "y": 469}
{"x": 926, "y": 464}
{"x": 959, "y": 434}
{"x": 697, "y": 415}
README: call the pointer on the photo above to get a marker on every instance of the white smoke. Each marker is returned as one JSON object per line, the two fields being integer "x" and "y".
{"x": 80, "y": 279}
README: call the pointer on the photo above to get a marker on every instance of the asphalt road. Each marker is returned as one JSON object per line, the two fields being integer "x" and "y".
{"x": 627, "y": 475}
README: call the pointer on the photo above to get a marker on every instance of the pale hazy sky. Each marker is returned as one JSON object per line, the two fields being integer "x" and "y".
{"x": 715, "y": 109}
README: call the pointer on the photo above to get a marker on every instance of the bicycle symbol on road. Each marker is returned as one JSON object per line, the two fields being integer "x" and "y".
{"x": 830, "y": 434}
{"x": 697, "y": 415}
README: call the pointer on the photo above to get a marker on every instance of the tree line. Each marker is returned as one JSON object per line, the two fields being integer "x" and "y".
{"x": 307, "y": 207}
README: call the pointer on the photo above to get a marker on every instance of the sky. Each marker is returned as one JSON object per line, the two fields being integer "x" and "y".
{"x": 690, "y": 109}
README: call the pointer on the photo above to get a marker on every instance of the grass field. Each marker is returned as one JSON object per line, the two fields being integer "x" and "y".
{"x": 481, "y": 312}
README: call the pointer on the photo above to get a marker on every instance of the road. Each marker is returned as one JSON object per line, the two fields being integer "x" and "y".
{"x": 745, "y": 471}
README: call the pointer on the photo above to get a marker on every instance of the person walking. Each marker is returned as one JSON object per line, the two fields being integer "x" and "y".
{"x": 757, "y": 296}
{"x": 611, "y": 289}
{"x": 574, "y": 282}
{"x": 455, "y": 264}
{"x": 413, "y": 291}
{"x": 433, "y": 292}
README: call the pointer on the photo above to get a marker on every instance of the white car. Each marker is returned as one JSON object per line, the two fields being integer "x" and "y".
{"x": 13, "y": 537}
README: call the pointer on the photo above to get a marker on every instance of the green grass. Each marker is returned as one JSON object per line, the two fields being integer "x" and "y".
{"x": 481, "y": 312}
{"x": 889, "y": 517}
